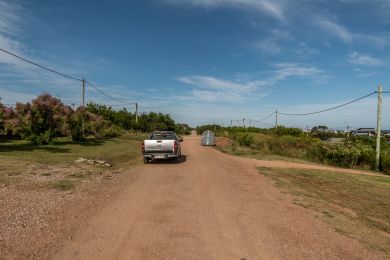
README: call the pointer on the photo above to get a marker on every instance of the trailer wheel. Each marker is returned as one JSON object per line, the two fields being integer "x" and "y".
{"x": 146, "y": 160}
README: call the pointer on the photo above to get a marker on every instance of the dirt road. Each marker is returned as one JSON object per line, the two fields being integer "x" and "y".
{"x": 211, "y": 206}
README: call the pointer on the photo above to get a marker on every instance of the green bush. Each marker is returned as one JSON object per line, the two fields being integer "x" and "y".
{"x": 354, "y": 152}
{"x": 243, "y": 139}
{"x": 345, "y": 155}
{"x": 385, "y": 161}
{"x": 112, "y": 131}
{"x": 76, "y": 125}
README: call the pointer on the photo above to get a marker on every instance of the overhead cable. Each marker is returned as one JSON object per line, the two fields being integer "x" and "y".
{"x": 328, "y": 109}
{"x": 265, "y": 118}
{"x": 107, "y": 95}
{"x": 40, "y": 66}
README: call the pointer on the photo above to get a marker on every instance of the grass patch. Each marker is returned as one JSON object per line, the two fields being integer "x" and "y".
{"x": 250, "y": 153}
{"x": 118, "y": 151}
{"x": 357, "y": 206}
{"x": 18, "y": 156}
{"x": 64, "y": 185}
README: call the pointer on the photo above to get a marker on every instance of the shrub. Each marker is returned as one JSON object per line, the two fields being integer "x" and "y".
{"x": 385, "y": 162}
{"x": 76, "y": 125}
{"x": 112, "y": 131}
{"x": 345, "y": 155}
{"x": 243, "y": 139}
{"x": 42, "y": 120}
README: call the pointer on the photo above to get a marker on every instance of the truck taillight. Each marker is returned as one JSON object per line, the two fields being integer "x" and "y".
{"x": 175, "y": 146}
{"x": 143, "y": 146}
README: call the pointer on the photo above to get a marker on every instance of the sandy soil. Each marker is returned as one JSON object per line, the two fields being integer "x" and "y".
{"x": 210, "y": 206}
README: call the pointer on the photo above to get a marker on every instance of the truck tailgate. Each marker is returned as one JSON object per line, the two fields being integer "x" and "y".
{"x": 159, "y": 146}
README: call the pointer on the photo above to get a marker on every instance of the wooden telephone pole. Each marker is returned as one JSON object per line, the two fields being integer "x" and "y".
{"x": 276, "y": 119}
{"x": 83, "y": 107}
{"x": 378, "y": 128}
{"x": 136, "y": 112}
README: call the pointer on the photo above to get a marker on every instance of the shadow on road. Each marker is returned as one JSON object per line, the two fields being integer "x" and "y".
{"x": 170, "y": 161}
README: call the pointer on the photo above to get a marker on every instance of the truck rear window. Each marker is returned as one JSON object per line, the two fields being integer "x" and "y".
{"x": 163, "y": 137}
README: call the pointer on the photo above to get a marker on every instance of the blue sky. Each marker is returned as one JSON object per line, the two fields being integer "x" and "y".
{"x": 205, "y": 61}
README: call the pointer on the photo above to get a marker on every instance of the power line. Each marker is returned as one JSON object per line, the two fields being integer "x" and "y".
{"x": 107, "y": 95}
{"x": 328, "y": 109}
{"x": 263, "y": 123}
{"x": 265, "y": 118}
{"x": 255, "y": 121}
{"x": 40, "y": 66}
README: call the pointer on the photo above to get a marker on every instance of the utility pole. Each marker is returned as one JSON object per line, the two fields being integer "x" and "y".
{"x": 136, "y": 112}
{"x": 83, "y": 108}
{"x": 243, "y": 122}
{"x": 276, "y": 118}
{"x": 378, "y": 128}
{"x": 83, "y": 94}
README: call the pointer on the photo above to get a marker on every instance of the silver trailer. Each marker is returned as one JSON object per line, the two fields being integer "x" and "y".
{"x": 208, "y": 138}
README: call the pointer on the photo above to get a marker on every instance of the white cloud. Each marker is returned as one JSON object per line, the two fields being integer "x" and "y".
{"x": 336, "y": 29}
{"x": 272, "y": 8}
{"x": 218, "y": 84}
{"x": 211, "y": 89}
{"x": 285, "y": 70}
{"x": 341, "y": 32}
{"x": 246, "y": 86}
{"x": 272, "y": 44}
{"x": 22, "y": 77}
{"x": 9, "y": 20}
{"x": 363, "y": 59}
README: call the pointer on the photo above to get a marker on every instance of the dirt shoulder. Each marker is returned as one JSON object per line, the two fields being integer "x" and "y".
{"x": 36, "y": 222}
{"x": 46, "y": 196}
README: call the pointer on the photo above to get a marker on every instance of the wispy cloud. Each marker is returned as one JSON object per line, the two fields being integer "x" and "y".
{"x": 272, "y": 8}
{"x": 336, "y": 30}
{"x": 208, "y": 88}
{"x": 364, "y": 59}
{"x": 285, "y": 70}
{"x": 9, "y": 20}
{"x": 341, "y": 32}
{"x": 24, "y": 79}
{"x": 246, "y": 86}
{"x": 273, "y": 44}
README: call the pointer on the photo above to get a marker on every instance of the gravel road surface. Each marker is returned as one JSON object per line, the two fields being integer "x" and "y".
{"x": 210, "y": 206}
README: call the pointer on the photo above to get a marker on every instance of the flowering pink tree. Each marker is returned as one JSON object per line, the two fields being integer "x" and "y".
{"x": 40, "y": 121}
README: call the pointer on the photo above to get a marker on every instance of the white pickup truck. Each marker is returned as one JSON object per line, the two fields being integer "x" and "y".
{"x": 162, "y": 145}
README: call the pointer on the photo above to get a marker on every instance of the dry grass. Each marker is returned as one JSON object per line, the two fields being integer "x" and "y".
{"x": 357, "y": 206}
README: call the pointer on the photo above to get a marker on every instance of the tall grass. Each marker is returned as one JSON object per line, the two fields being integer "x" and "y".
{"x": 353, "y": 152}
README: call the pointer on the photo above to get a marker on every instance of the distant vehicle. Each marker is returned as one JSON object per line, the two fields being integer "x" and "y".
{"x": 162, "y": 145}
{"x": 364, "y": 132}
{"x": 208, "y": 138}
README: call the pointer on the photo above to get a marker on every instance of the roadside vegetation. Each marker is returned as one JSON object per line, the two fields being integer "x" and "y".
{"x": 354, "y": 205}
{"x": 47, "y": 118}
{"x": 41, "y": 141}
{"x": 315, "y": 146}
